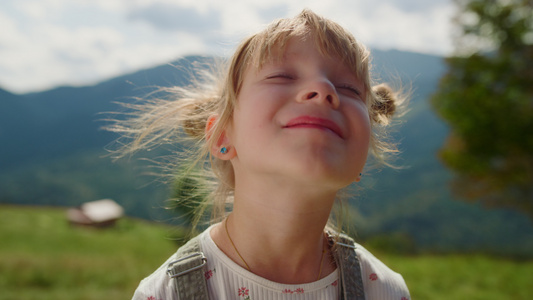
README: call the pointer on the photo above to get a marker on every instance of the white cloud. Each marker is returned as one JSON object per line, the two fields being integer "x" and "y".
{"x": 173, "y": 17}
{"x": 407, "y": 30}
{"x": 55, "y": 42}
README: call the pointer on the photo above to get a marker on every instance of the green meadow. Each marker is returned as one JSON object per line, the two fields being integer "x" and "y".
{"x": 43, "y": 257}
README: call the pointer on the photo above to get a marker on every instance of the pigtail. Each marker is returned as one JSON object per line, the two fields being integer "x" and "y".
{"x": 385, "y": 104}
{"x": 195, "y": 124}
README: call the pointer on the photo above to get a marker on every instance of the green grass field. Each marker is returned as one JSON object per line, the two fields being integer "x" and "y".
{"x": 42, "y": 257}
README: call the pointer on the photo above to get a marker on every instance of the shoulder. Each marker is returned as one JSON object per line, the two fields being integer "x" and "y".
{"x": 380, "y": 282}
{"x": 159, "y": 285}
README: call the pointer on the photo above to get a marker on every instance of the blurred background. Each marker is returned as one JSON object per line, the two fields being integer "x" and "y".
{"x": 455, "y": 220}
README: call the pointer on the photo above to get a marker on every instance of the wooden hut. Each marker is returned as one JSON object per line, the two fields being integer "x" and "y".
{"x": 99, "y": 213}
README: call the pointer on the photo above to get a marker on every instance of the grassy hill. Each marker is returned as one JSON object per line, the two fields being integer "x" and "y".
{"x": 42, "y": 257}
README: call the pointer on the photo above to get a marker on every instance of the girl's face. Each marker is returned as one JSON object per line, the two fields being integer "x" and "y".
{"x": 302, "y": 118}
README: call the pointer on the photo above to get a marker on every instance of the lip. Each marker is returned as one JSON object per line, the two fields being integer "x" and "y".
{"x": 314, "y": 122}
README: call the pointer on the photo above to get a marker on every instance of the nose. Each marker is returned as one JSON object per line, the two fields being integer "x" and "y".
{"x": 320, "y": 91}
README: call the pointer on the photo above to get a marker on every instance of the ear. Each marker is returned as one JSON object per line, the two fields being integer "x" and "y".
{"x": 222, "y": 147}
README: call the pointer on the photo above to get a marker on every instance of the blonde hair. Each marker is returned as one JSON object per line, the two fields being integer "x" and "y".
{"x": 181, "y": 117}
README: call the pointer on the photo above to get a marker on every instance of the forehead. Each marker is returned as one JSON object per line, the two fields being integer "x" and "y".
{"x": 347, "y": 54}
{"x": 305, "y": 49}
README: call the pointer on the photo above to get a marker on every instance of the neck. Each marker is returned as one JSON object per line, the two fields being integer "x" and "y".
{"x": 279, "y": 231}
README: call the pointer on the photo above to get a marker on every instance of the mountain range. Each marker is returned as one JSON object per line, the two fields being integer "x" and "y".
{"x": 53, "y": 153}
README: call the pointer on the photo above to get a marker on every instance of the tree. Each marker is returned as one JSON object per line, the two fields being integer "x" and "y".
{"x": 486, "y": 97}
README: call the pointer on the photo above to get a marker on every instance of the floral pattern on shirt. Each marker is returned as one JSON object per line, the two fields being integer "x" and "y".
{"x": 295, "y": 291}
{"x": 244, "y": 292}
{"x": 209, "y": 273}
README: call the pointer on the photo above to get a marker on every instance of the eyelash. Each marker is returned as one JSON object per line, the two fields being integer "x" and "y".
{"x": 350, "y": 88}
{"x": 282, "y": 75}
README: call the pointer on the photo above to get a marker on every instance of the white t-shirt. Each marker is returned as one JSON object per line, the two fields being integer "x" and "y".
{"x": 226, "y": 280}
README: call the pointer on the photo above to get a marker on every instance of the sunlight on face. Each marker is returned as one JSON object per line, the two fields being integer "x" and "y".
{"x": 302, "y": 118}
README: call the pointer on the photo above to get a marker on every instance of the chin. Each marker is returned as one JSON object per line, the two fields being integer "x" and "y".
{"x": 331, "y": 178}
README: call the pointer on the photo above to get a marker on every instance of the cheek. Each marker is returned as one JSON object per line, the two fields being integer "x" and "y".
{"x": 249, "y": 121}
{"x": 359, "y": 121}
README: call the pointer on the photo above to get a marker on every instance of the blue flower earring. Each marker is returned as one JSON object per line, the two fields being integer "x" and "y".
{"x": 223, "y": 150}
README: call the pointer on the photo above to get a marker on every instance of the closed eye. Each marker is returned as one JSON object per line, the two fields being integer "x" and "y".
{"x": 351, "y": 89}
{"x": 281, "y": 75}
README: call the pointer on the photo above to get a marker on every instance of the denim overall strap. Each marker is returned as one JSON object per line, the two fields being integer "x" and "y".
{"x": 349, "y": 267}
{"x": 188, "y": 272}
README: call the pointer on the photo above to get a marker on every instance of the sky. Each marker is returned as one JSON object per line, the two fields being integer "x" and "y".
{"x": 49, "y": 43}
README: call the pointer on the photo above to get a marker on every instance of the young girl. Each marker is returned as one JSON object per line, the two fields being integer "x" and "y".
{"x": 287, "y": 128}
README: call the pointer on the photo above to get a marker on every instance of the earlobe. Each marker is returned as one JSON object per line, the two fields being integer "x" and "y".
{"x": 358, "y": 178}
{"x": 223, "y": 151}
{"x": 221, "y": 147}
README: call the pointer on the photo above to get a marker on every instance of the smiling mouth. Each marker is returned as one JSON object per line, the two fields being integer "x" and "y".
{"x": 314, "y": 122}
